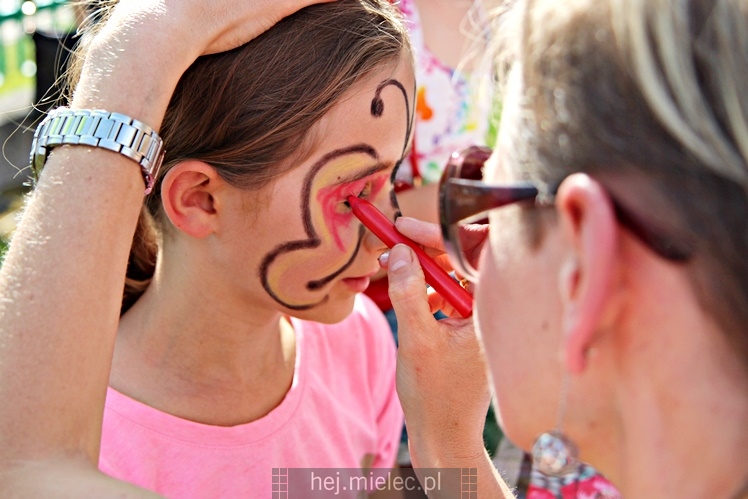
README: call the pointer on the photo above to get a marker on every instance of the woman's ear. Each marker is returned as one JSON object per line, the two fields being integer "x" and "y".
{"x": 588, "y": 222}
{"x": 188, "y": 195}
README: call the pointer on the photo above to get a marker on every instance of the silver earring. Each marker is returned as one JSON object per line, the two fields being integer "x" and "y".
{"x": 553, "y": 453}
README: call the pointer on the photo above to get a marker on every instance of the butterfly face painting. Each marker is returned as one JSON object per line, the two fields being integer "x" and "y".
{"x": 364, "y": 138}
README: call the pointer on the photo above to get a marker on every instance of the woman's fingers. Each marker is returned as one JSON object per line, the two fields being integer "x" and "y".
{"x": 427, "y": 235}
{"x": 441, "y": 374}
{"x": 424, "y": 233}
{"x": 236, "y": 23}
{"x": 407, "y": 289}
{"x": 472, "y": 239}
{"x": 437, "y": 303}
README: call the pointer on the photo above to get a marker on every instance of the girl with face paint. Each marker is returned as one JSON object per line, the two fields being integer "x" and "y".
{"x": 243, "y": 344}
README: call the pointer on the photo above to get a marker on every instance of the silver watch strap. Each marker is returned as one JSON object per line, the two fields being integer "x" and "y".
{"x": 97, "y": 128}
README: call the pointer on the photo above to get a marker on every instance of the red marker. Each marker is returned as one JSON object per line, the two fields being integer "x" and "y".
{"x": 437, "y": 277}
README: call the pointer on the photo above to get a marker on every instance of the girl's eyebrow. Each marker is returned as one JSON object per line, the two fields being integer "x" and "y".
{"x": 363, "y": 173}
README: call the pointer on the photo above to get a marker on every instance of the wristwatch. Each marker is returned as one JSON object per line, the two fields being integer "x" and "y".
{"x": 97, "y": 128}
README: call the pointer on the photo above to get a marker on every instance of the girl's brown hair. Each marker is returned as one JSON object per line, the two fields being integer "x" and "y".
{"x": 248, "y": 112}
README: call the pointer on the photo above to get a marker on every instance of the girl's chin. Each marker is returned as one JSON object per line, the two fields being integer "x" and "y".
{"x": 334, "y": 310}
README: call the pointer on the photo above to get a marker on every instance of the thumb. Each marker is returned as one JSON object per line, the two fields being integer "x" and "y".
{"x": 407, "y": 289}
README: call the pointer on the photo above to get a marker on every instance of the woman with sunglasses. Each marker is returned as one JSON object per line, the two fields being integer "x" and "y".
{"x": 611, "y": 295}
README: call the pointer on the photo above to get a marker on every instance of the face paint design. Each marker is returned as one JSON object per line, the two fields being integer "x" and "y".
{"x": 377, "y": 107}
{"x": 328, "y": 222}
{"x": 336, "y": 214}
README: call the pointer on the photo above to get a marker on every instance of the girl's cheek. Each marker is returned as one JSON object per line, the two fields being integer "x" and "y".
{"x": 341, "y": 227}
{"x": 338, "y": 220}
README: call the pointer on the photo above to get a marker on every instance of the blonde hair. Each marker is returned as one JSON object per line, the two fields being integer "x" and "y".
{"x": 651, "y": 98}
{"x": 663, "y": 46}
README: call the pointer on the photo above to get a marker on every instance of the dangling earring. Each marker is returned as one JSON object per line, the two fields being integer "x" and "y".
{"x": 553, "y": 453}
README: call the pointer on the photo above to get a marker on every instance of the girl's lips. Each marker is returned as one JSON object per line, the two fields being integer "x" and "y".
{"x": 357, "y": 284}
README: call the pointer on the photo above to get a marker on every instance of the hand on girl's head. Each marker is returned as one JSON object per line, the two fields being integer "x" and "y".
{"x": 236, "y": 23}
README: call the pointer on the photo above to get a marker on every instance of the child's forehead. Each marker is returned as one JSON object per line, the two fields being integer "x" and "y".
{"x": 349, "y": 166}
{"x": 351, "y": 176}
{"x": 366, "y": 132}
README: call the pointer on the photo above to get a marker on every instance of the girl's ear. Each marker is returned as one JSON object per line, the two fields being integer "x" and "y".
{"x": 188, "y": 196}
{"x": 585, "y": 279}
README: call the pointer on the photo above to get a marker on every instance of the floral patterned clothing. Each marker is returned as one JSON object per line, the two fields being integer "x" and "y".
{"x": 448, "y": 116}
{"x": 584, "y": 483}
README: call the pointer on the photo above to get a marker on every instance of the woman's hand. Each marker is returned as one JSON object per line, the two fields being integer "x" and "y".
{"x": 442, "y": 378}
{"x": 137, "y": 57}
{"x": 233, "y": 23}
{"x": 429, "y": 236}
{"x": 210, "y": 27}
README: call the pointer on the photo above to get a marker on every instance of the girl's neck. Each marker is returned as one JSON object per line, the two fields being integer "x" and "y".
{"x": 200, "y": 359}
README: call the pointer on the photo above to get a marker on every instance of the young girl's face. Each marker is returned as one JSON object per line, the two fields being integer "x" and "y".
{"x": 307, "y": 254}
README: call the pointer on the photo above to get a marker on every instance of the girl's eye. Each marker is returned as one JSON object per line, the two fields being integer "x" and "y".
{"x": 365, "y": 192}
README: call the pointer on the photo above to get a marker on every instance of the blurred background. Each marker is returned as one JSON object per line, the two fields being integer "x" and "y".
{"x": 36, "y": 37}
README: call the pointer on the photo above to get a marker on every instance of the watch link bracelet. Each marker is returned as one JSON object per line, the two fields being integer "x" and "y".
{"x": 97, "y": 128}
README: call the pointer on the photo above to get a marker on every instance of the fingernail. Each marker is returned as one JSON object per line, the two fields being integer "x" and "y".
{"x": 400, "y": 257}
{"x": 384, "y": 258}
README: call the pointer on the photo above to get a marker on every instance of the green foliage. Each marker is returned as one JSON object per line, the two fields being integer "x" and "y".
{"x": 492, "y": 433}
{"x": 3, "y": 248}
{"x": 493, "y": 126}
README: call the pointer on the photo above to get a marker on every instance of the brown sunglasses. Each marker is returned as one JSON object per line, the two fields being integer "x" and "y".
{"x": 464, "y": 200}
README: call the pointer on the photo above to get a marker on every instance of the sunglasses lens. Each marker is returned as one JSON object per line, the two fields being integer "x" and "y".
{"x": 465, "y": 240}
{"x": 472, "y": 163}
{"x": 471, "y": 239}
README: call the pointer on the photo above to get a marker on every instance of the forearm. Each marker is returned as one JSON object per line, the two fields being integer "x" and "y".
{"x": 487, "y": 482}
{"x": 61, "y": 285}
{"x": 65, "y": 478}
{"x": 442, "y": 382}
{"x": 62, "y": 279}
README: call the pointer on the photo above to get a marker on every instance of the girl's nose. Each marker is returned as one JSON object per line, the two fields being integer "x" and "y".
{"x": 371, "y": 242}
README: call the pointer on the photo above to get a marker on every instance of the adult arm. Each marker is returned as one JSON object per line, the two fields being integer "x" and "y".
{"x": 62, "y": 279}
{"x": 442, "y": 379}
